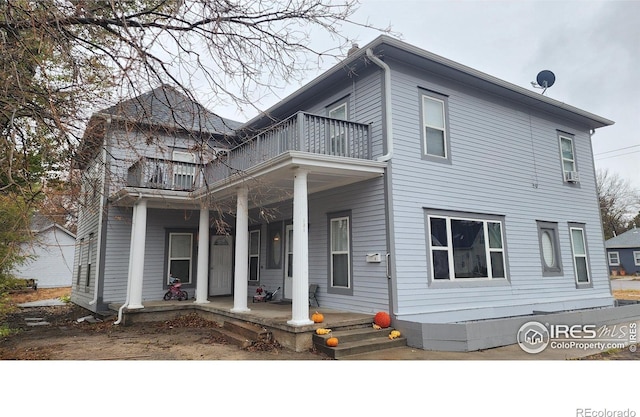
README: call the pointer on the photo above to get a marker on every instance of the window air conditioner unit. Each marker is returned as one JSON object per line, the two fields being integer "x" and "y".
{"x": 571, "y": 176}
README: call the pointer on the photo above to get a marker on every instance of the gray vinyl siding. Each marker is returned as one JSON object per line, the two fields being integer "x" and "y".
{"x": 159, "y": 222}
{"x": 90, "y": 205}
{"x": 365, "y": 201}
{"x": 501, "y": 164}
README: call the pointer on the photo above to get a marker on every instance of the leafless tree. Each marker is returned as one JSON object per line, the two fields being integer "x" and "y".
{"x": 62, "y": 59}
{"x": 618, "y": 200}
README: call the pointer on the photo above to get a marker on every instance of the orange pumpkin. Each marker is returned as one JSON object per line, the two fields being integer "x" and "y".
{"x": 332, "y": 342}
{"x": 382, "y": 319}
{"x": 317, "y": 317}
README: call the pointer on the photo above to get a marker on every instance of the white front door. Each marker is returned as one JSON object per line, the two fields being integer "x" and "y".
{"x": 288, "y": 262}
{"x": 221, "y": 266}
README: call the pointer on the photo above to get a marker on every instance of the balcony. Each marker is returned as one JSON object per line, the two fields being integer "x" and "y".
{"x": 302, "y": 132}
{"x": 165, "y": 174}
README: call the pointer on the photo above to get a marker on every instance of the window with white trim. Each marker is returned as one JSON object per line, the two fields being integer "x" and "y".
{"x": 180, "y": 259}
{"x": 340, "y": 251}
{"x": 567, "y": 154}
{"x": 435, "y": 142}
{"x": 80, "y": 260}
{"x": 636, "y": 258}
{"x": 580, "y": 258}
{"x": 614, "y": 258}
{"x": 89, "y": 259}
{"x": 254, "y": 255}
{"x": 464, "y": 248}
{"x": 549, "y": 248}
{"x": 337, "y": 129}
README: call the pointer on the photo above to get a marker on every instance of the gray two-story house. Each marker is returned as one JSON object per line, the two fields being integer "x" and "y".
{"x": 396, "y": 181}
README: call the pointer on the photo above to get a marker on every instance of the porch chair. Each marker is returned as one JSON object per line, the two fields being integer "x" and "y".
{"x": 313, "y": 288}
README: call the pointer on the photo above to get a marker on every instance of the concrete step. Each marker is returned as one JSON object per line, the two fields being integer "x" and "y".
{"x": 355, "y": 341}
{"x": 249, "y": 331}
{"x": 231, "y": 337}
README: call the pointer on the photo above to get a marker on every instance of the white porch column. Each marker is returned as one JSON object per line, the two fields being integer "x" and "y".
{"x": 240, "y": 286}
{"x": 300, "y": 287}
{"x": 202, "y": 284}
{"x": 136, "y": 262}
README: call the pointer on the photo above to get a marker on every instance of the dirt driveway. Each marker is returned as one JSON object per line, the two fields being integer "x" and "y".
{"x": 188, "y": 338}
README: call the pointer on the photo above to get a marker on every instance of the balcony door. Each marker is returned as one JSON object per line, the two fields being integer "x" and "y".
{"x": 184, "y": 170}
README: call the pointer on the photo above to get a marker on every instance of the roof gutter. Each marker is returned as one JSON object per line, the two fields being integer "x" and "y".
{"x": 387, "y": 104}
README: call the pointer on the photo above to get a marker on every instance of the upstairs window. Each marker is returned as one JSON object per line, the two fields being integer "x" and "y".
{"x": 435, "y": 141}
{"x": 567, "y": 154}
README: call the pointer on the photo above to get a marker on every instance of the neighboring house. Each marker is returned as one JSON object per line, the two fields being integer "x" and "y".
{"x": 397, "y": 181}
{"x": 50, "y": 254}
{"x": 623, "y": 253}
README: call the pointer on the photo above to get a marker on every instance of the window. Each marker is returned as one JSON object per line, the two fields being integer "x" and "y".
{"x": 180, "y": 257}
{"x": 89, "y": 256}
{"x": 636, "y": 258}
{"x": 340, "y": 251}
{"x": 579, "y": 248}
{"x": 184, "y": 170}
{"x": 466, "y": 248}
{"x": 337, "y": 129}
{"x": 435, "y": 141}
{"x": 80, "y": 260}
{"x": 549, "y": 248}
{"x": 614, "y": 258}
{"x": 254, "y": 255}
{"x": 567, "y": 154}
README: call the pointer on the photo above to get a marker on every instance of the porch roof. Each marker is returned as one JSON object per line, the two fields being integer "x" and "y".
{"x": 270, "y": 181}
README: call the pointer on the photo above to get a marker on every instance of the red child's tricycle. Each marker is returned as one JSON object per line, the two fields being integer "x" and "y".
{"x": 176, "y": 292}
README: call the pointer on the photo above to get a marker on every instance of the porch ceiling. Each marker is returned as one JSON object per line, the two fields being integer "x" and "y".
{"x": 272, "y": 181}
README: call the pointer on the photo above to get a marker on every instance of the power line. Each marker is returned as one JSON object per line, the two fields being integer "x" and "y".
{"x": 615, "y": 156}
{"x": 616, "y": 150}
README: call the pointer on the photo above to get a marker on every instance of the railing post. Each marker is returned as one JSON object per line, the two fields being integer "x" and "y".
{"x": 367, "y": 141}
{"x": 300, "y": 122}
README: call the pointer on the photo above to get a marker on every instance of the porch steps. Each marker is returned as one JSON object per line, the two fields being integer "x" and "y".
{"x": 355, "y": 341}
{"x": 242, "y": 334}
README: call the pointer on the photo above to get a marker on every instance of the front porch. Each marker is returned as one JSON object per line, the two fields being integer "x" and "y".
{"x": 273, "y": 316}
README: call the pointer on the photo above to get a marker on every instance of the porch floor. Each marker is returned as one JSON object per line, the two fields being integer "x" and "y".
{"x": 271, "y": 315}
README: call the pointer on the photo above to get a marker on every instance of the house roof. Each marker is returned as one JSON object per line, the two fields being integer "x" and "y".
{"x": 40, "y": 224}
{"x": 629, "y": 239}
{"x": 167, "y": 107}
{"x": 385, "y": 46}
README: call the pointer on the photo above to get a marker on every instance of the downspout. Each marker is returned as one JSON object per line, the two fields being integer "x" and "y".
{"x": 385, "y": 158}
{"x": 387, "y": 104}
{"x": 126, "y": 301}
{"x": 100, "y": 216}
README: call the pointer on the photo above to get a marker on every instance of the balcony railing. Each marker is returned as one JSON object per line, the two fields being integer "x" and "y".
{"x": 301, "y": 132}
{"x": 164, "y": 174}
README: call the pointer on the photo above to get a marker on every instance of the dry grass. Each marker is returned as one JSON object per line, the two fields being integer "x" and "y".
{"x": 626, "y": 294}
{"x": 26, "y": 296}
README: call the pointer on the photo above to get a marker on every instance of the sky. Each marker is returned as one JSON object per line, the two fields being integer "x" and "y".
{"x": 592, "y": 47}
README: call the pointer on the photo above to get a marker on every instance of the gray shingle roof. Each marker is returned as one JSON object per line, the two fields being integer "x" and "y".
{"x": 629, "y": 239}
{"x": 165, "y": 106}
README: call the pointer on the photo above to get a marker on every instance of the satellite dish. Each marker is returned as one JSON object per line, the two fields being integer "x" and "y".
{"x": 545, "y": 79}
